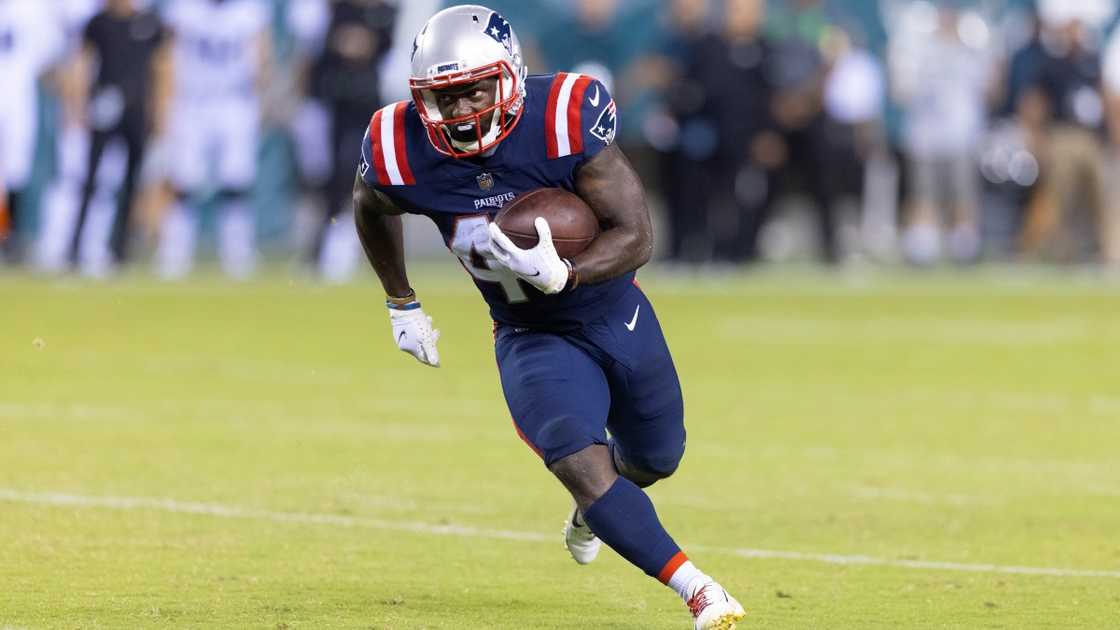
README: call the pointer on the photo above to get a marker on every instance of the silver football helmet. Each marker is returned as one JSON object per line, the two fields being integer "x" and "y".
{"x": 459, "y": 46}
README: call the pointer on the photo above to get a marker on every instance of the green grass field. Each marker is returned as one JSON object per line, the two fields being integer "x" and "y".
{"x": 880, "y": 451}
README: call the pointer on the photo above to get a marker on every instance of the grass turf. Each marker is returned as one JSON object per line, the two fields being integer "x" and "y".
{"x": 311, "y": 476}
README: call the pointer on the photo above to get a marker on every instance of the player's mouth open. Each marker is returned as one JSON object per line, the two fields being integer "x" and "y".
{"x": 464, "y": 132}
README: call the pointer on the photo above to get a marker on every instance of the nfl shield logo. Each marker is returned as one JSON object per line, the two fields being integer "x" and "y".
{"x": 485, "y": 181}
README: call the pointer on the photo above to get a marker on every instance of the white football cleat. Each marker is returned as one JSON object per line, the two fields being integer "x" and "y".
{"x": 713, "y": 608}
{"x": 581, "y": 542}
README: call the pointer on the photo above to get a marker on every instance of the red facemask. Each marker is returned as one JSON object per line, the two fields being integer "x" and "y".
{"x": 507, "y": 108}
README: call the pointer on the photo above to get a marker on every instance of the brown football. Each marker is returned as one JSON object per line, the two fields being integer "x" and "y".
{"x": 573, "y": 223}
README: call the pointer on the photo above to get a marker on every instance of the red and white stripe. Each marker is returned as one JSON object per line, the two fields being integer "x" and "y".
{"x": 562, "y": 119}
{"x": 387, "y": 144}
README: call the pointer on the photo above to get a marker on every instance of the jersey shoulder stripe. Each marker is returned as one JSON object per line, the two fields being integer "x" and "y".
{"x": 563, "y": 115}
{"x": 389, "y": 147}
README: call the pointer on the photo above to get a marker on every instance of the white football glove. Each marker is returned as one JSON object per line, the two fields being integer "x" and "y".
{"x": 413, "y": 332}
{"x": 540, "y": 265}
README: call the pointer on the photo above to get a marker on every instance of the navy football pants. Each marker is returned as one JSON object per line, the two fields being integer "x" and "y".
{"x": 566, "y": 390}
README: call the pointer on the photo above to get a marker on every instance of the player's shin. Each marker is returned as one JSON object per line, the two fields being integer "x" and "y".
{"x": 626, "y": 520}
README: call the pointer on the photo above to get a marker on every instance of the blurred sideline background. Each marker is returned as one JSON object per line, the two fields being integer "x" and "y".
{"x": 151, "y": 133}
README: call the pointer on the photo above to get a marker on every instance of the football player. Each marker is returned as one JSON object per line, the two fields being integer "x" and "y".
{"x": 219, "y": 52}
{"x": 30, "y": 41}
{"x": 579, "y": 348}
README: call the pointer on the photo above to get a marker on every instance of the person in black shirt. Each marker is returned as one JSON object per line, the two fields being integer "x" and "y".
{"x": 723, "y": 105}
{"x": 124, "y": 43}
{"x": 1068, "y": 81}
{"x": 345, "y": 78}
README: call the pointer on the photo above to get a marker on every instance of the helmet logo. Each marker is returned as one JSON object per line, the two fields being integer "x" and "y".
{"x": 499, "y": 30}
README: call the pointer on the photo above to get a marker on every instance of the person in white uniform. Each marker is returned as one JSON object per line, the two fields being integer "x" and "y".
{"x": 220, "y": 49}
{"x": 30, "y": 41}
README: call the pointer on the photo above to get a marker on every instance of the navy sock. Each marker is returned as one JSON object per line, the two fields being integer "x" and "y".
{"x": 624, "y": 518}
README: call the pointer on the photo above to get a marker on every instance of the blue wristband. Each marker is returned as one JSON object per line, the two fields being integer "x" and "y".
{"x": 411, "y": 306}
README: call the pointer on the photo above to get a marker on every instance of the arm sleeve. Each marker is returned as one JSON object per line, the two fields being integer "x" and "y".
{"x": 598, "y": 118}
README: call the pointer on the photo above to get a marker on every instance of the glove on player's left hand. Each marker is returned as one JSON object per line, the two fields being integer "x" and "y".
{"x": 540, "y": 265}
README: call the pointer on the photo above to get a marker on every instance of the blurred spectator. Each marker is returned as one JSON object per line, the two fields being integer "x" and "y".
{"x": 1023, "y": 66}
{"x": 121, "y": 43}
{"x": 1068, "y": 83}
{"x": 726, "y": 130}
{"x": 853, "y": 94}
{"x": 1110, "y": 239}
{"x": 307, "y": 21}
{"x": 305, "y": 116}
{"x": 346, "y": 79}
{"x": 220, "y": 51}
{"x": 71, "y": 151}
{"x": 682, "y": 131}
{"x": 942, "y": 84}
{"x": 798, "y": 29}
{"x": 30, "y": 40}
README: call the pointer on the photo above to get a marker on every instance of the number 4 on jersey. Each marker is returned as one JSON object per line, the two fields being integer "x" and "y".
{"x": 468, "y": 236}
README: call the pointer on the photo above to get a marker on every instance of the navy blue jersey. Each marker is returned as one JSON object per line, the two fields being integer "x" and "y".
{"x": 568, "y": 119}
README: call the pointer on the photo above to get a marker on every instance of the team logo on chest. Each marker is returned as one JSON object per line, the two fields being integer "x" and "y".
{"x": 485, "y": 181}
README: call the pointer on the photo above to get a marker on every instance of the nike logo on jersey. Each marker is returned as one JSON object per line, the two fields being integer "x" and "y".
{"x": 634, "y": 321}
{"x": 594, "y": 100}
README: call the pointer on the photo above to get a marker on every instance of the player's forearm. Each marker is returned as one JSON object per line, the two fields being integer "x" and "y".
{"x": 382, "y": 238}
{"x": 614, "y": 252}
{"x": 612, "y": 189}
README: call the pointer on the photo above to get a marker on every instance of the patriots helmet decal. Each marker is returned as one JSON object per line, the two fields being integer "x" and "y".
{"x": 499, "y": 29}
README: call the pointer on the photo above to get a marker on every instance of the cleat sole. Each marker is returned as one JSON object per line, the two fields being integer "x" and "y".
{"x": 727, "y": 622}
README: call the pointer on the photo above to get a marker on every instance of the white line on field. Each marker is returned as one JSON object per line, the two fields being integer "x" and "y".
{"x": 233, "y": 511}
{"x": 925, "y": 498}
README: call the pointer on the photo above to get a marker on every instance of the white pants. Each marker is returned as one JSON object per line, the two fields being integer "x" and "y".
{"x": 214, "y": 144}
{"x": 236, "y": 238}
{"x": 60, "y": 205}
{"x": 213, "y": 147}
{"x": 19, "y": 122}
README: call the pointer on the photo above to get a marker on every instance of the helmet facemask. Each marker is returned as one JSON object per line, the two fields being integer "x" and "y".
{"x": 503, "y": 113}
